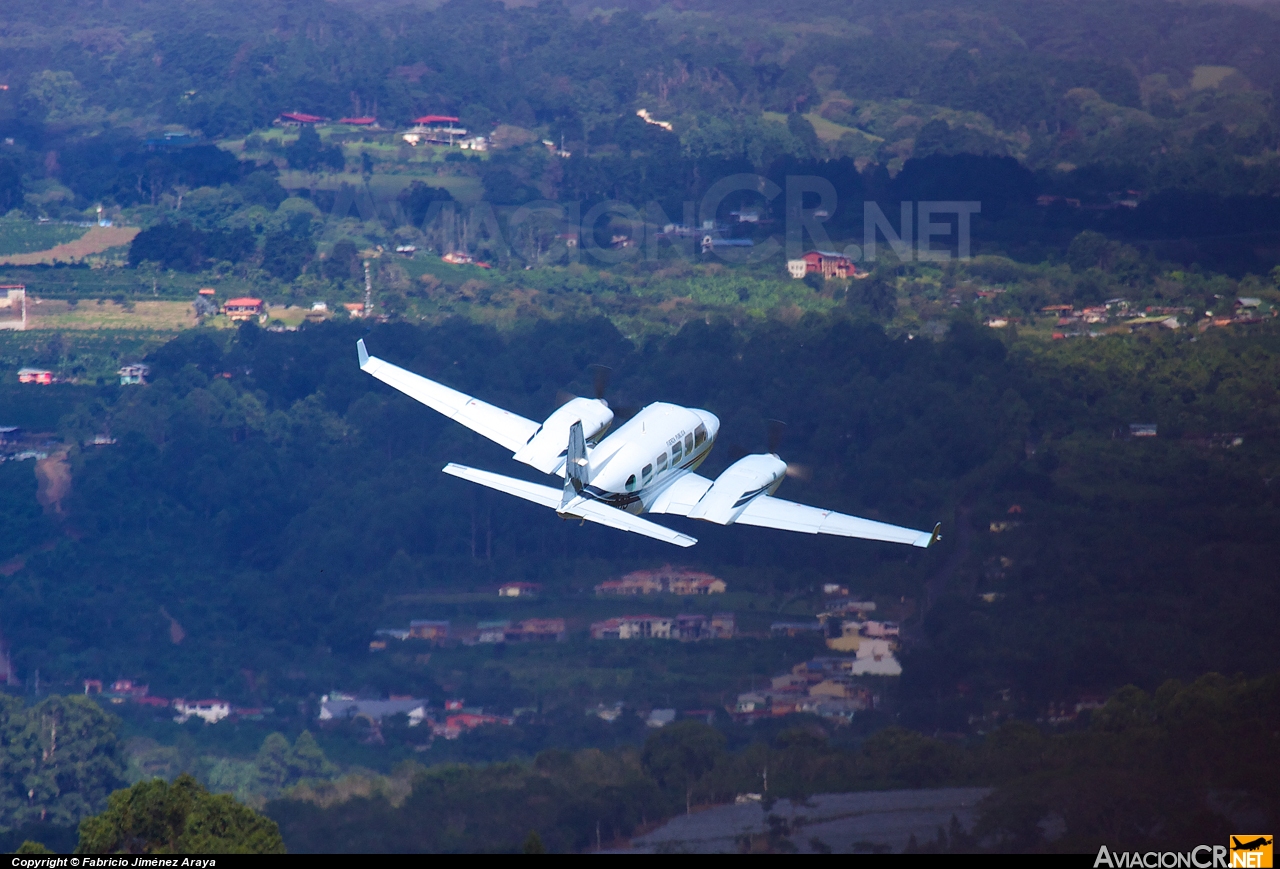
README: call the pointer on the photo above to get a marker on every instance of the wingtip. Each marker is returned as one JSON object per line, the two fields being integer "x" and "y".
{"x": 925, "y": 539}
{"x": 362, "y": 353}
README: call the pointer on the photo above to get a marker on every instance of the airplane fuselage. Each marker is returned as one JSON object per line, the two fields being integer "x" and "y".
{"x": 642, "y": 456}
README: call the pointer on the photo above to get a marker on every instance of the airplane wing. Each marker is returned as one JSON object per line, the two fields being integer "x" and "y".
{"x": 767, "y": 511}
{"x": 498, "y": 425}
{"x": 681, "y": 496}
{"x": 592, "y": 511}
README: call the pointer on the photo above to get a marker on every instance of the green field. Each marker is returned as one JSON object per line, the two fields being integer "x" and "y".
{"x": 25, "y": 236}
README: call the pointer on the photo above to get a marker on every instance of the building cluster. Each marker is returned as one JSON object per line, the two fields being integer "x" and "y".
{"x": 209, "y": 711}
{"x": 1248, "y": 310}
{"x": 16, "y": 445}
{"x": 828, "y": 686}
{"x": 426, "y": 130}
{"x": 449, "y": 723}
{"x": 664, "y": 580}
{"x": 504, "y": 631}
{"x": 528, "y": 630}
{"x": 824, "y": 686}
{"x": 431, "y": 630}
{"x": 519, "y": 589}
{"x": 686, "y": 628}
{"x": 1071, "y": 321}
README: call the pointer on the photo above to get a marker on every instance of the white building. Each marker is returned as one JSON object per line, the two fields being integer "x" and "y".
{"x": 875, "y": 658}
{"x": 134, "y": 374}
{"x": 342, "y": 706}
{"x": 14, "y": 298}
{"x": 209, "y": 711}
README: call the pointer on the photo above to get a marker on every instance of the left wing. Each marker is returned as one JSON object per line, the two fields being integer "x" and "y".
{"x": 767, "y": 511}
{"x": 500, "y": 426}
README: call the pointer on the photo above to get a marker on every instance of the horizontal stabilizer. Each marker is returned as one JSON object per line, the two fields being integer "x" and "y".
{"x": 769, "y": 512}
{"x": 592, "y": 511}
{"x": 603, "y": 514}
{"x": 544, "y": 495}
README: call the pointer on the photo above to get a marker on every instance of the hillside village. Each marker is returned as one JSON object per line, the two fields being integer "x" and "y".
{"x": 835, "y": 686}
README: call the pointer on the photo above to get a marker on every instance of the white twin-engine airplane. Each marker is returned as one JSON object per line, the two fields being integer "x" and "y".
{"x": 646, "y": 466}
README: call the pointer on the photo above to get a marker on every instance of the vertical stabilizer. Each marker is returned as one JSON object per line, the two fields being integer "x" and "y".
{"x": 576, "y": 472}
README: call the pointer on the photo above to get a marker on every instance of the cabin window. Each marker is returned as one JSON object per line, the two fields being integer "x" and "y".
{"x": 661, "y": 462}
{"x": 675, "y": 454}
{"x": 699, "y": 435}
{"x": 631, "y": 483}
{"x": 647, "y": 472}
{"x": 688, "y": 443}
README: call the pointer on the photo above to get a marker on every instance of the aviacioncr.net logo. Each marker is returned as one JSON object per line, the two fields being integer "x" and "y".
{"x": 1244, "y": 852}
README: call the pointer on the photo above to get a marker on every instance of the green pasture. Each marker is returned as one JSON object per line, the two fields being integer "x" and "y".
{"x": 27, "y": 236}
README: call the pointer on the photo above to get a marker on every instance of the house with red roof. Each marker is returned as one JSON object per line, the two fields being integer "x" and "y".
{"x": 299, "y": 119}
{"x": 242, "y": 309}
{"x": 830, "y": 264}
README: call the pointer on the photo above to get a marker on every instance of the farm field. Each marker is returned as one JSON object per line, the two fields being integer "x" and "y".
{"x": 26, "y": 236}
{"x": 384, "y": 186}
{"x": 98, "y": 239}
{"x": 103, "y": 314}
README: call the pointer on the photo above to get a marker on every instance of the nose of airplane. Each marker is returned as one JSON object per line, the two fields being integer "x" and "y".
{"x": 711, "y": 421}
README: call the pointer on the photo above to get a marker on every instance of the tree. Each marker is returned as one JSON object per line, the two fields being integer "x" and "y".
{"x": 343, "y": 262}
{"x": 59, "y": 760}
{"x": 10, "y": 186}
{"x": 310, "y": 153}
{"x": 285, "y": 255}
{"x": 679, "y": 755}
{"x": 31, "y": 847}
{"x": 155, "y": 817}
{"x": 418, "y": 199}
{"x": 307, "y": 759}
{"x": 54, "y": 96}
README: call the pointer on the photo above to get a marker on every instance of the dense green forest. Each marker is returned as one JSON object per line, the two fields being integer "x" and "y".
{"x": 260, "y": 510}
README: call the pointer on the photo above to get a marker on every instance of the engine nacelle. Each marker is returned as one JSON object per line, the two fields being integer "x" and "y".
{"x": 747, "y": 478}
{"x": 545, "y": 450}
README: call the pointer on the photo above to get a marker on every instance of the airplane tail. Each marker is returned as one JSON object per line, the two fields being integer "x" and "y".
{"x": 576, "y": 471}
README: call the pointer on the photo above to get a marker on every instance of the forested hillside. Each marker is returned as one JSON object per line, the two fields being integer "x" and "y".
{"x": 277, "y": 503}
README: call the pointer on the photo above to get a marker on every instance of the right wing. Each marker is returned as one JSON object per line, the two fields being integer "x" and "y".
{"x": 578, "y": 508}
{"x": 767, "y": 511}
{"x": 498, "y": 425}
